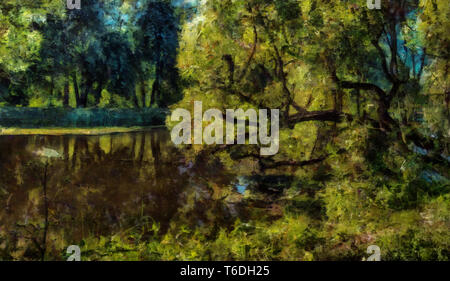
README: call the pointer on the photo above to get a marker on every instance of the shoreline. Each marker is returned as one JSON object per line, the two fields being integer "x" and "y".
{"x": 56, "y": 119}
{"x": 61, "y": 131}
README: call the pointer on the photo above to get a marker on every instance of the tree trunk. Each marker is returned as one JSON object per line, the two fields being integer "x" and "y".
{"x": 136, "y": 100}
{"x": 156, "y": 84}
{"x": 87, "y": 87}
{"x": 66, "y": 94}
{"x": 52, "y": 86}
{"x": 98, "y": 93}
{"x": 143, "y": 92}
{"x": 155, "y": 91}
{"x": 385, "y": 120}
{"x": 76, "y": 90}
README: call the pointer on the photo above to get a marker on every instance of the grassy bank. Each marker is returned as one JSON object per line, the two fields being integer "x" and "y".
{"x": 71, "y": 131}
{"x": 57, "y": 118}
{"x": 401, "y": 236}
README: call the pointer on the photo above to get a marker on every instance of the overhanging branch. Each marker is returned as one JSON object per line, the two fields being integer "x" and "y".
{"x": 327, "y": 115}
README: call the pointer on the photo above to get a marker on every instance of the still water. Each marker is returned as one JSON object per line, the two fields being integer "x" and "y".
{"x": 101, "y": 185}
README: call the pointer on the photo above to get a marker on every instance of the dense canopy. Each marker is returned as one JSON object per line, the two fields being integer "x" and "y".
{"x": 364, "y": 100}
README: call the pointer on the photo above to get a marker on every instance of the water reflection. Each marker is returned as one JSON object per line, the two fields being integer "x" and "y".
{"x": 103, "y": 185}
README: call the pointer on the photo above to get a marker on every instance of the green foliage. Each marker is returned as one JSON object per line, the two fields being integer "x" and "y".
{"x": 52, "y": 56}
{"x": 364, "y": 102}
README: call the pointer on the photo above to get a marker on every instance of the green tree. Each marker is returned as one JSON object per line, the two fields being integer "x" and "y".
{"x": 327, "y": 62}
{"x": 20, "y": 42}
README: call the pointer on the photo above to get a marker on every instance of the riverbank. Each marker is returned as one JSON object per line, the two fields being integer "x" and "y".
{"x": 14, "y": 119}
{"x": 72, "y": 131}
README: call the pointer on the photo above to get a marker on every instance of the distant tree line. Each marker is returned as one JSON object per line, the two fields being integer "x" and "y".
{"x": 116, "y": 53}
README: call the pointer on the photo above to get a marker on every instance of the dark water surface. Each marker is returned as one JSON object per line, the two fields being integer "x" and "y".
{"x": 101, "y": 185}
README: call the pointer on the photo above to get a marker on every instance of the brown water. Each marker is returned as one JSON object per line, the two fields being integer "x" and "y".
{"x": 103, "y": 185}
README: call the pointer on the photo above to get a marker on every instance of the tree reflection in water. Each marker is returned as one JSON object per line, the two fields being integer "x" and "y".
{"x": 103, "y": 185}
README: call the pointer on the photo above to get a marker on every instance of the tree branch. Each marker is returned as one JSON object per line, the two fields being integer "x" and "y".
{"x": 252, "y": 54}
{"x": 383, "y": 56}
{"x": 277, "y": 164}
{"x": 327, "y": 115}
{"x": 360, "y": 86}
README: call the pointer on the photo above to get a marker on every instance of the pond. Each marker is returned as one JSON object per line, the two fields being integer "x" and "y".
{"x": 101, "y": 185}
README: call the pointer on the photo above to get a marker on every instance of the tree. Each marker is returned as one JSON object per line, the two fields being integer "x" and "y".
{"x": 20, "y": 43}
{"x": 315, "y": 60}
{"x": 157, "y": 42}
